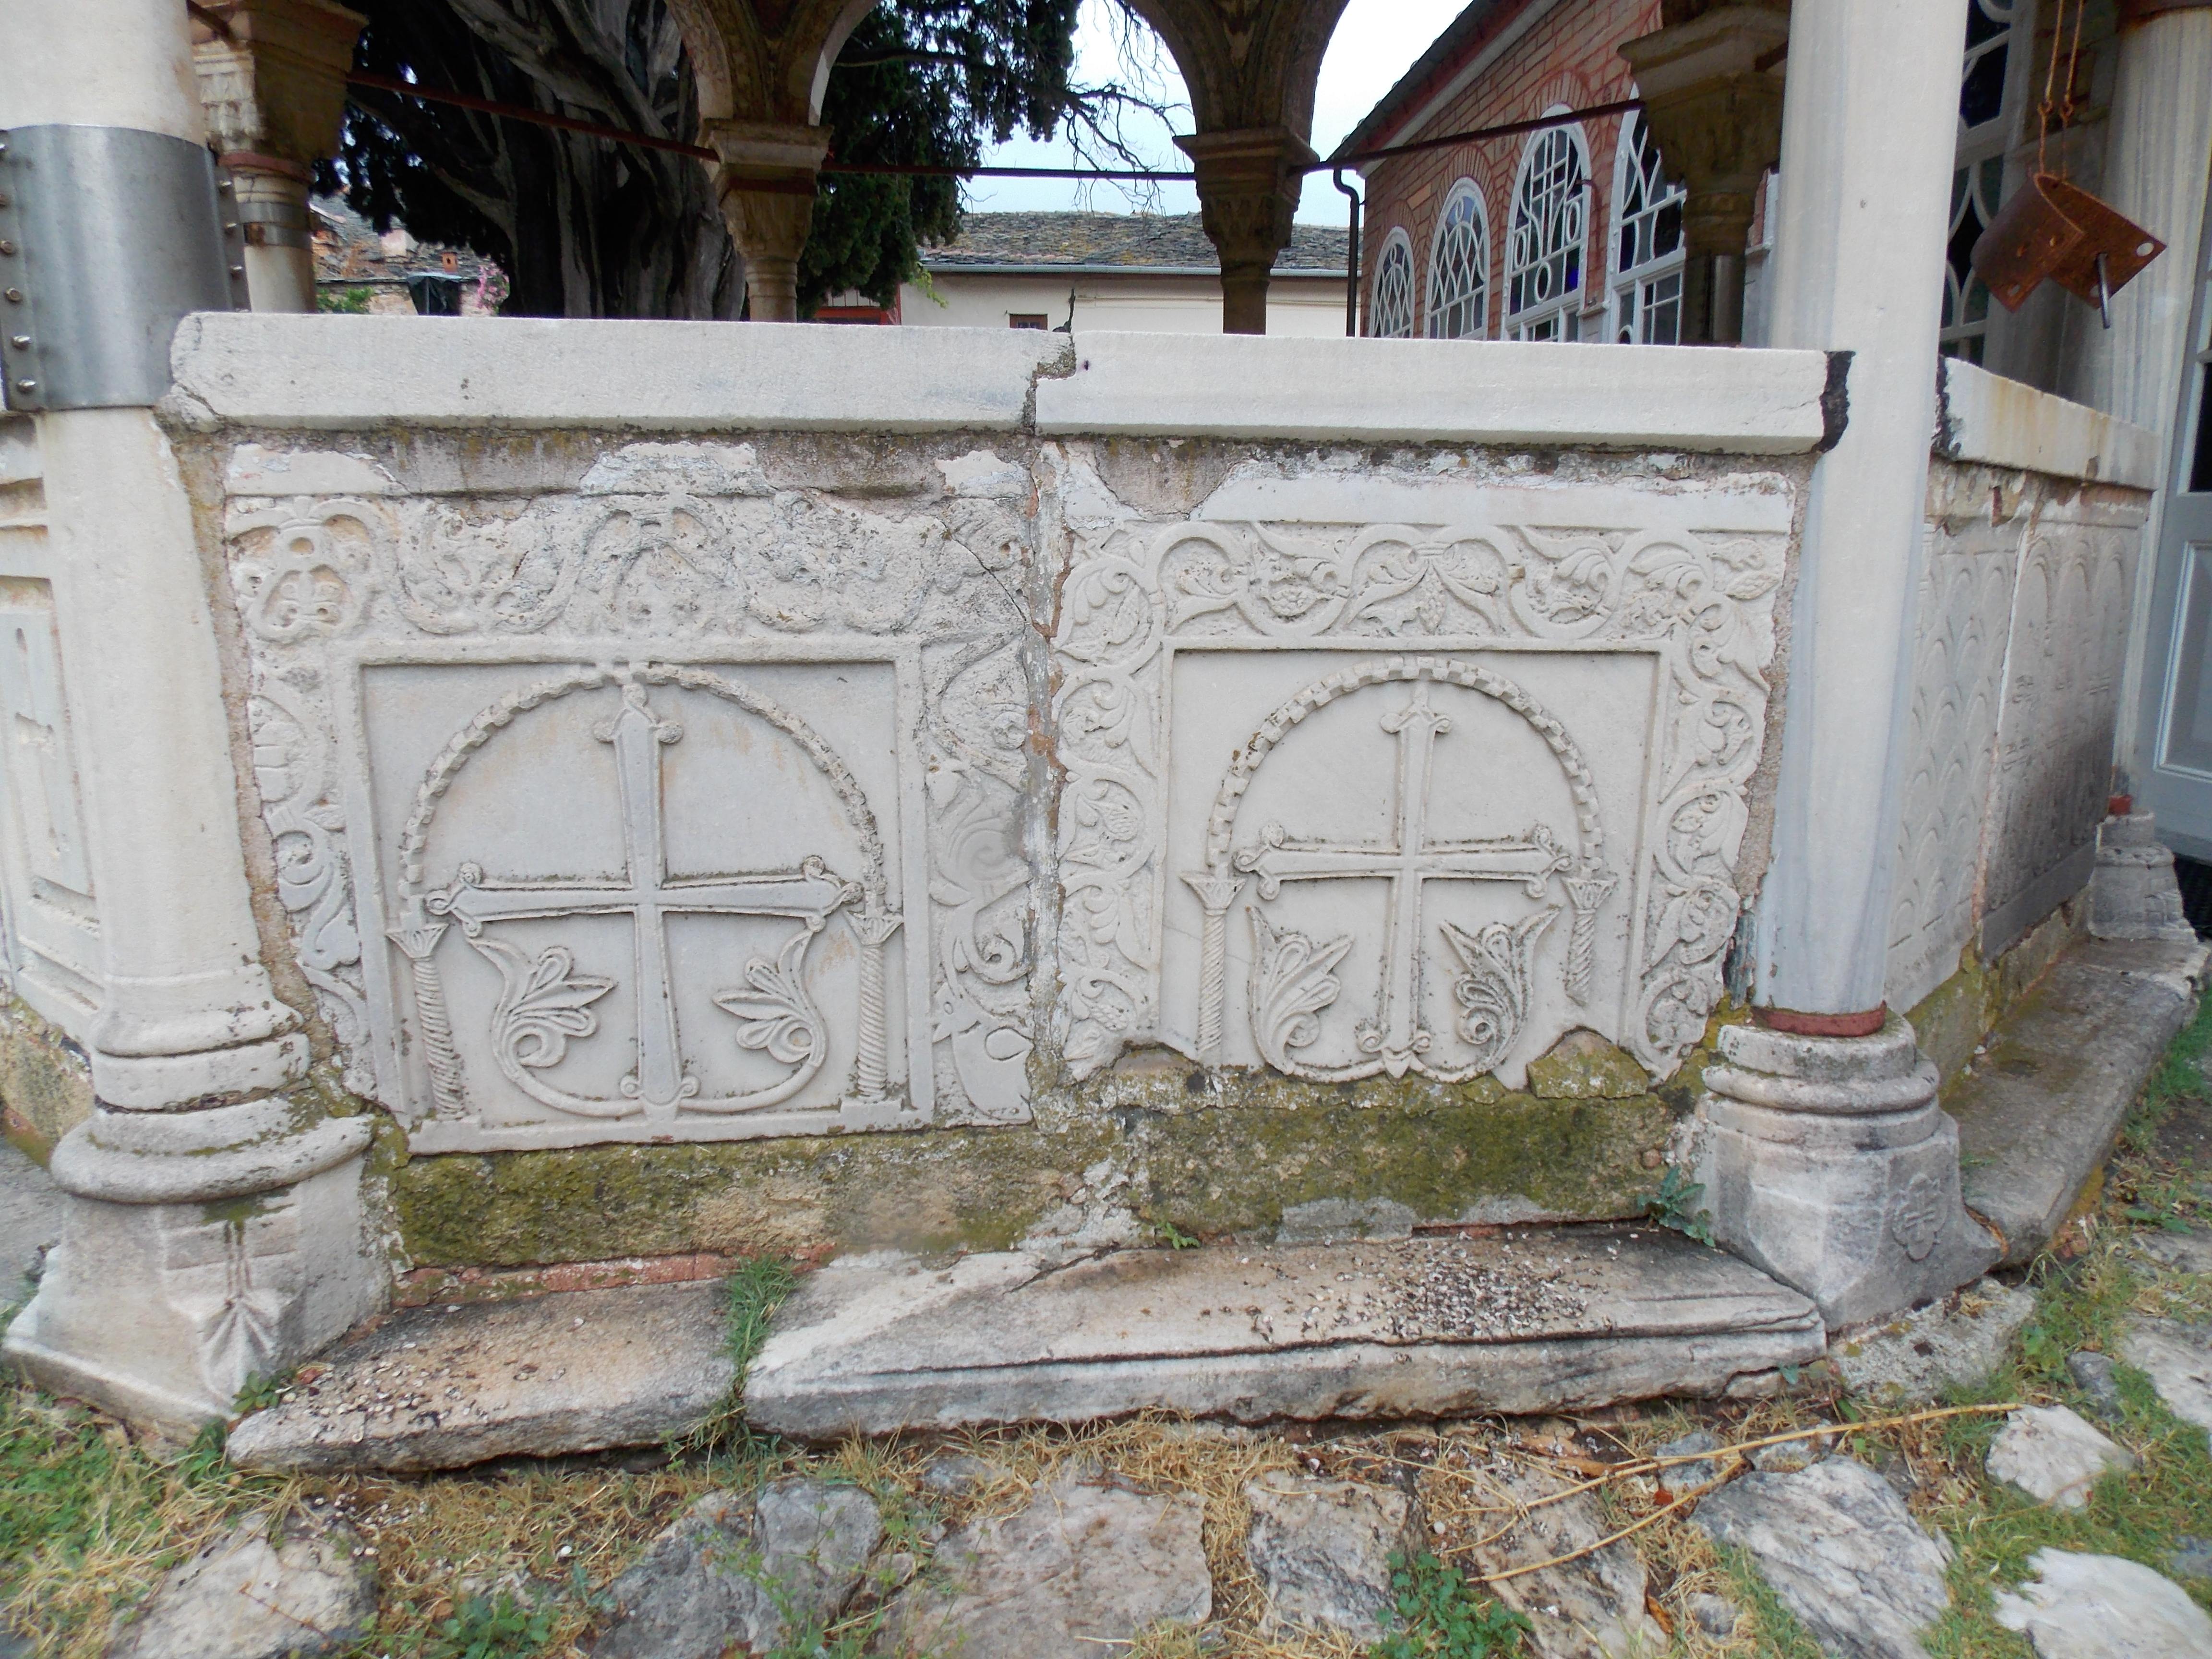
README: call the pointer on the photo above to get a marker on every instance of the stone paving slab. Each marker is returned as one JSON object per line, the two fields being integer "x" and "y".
{"x": 2039, "y": 1111}
{"x": 30, "y": 1220}
{"x": 1535, "y": 1321}
{"x": 435, "y": 1389}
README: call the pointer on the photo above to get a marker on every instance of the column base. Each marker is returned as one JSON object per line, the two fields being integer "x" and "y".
{"x": 2132, "y": 892}
{"x": 199, "y": 1250}
{"x": 1826, "y": 1162}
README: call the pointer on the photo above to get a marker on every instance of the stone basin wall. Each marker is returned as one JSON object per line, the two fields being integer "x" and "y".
{"x": 1002, "y": 677}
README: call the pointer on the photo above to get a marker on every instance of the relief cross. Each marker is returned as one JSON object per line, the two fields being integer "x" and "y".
{"x": 1408, "y": 860}
{"x": 646, "y": 893}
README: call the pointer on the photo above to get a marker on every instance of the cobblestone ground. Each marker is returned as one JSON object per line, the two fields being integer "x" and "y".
{"x": 1859, "y": 1522}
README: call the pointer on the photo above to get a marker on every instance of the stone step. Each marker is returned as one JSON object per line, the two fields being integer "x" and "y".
{"x": 2039, "y": 1110}
{"x": 441, "y": 1388}
{"x": 1535, "y": 1320}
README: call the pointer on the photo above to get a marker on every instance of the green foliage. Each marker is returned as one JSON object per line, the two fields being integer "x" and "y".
{"x": 1674, "y": 1206}
{"x": 750, "y": 1297}
{"x": 261, "y": 1393}
{"x": 1173, "y": 1236}
{"x": 484, "y": 1628}
{"x": 348, "y": 301}
{"x": 1435, "y": 1616}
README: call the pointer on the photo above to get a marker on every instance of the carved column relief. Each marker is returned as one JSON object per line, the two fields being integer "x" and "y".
{"x": 630, "y": 884}
{"x": 1451, "y": 670}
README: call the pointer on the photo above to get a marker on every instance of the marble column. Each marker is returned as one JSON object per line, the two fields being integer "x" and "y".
{"x": 2157, "y": 146}
{"x": 215, "y": 1228}
{"x": 1824, "y": 1156}
{"x": 272, "y": 84}
{"x": 765, "y": 184}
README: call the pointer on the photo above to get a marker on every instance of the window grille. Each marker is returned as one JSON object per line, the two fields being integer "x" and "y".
{"x": 1991, "y": 93}
{"x": 1647, "y": 259}
{"x": 1544, "y": 249}
{"x": 1391, "y": 316}
{"x": 1459, "y": 268}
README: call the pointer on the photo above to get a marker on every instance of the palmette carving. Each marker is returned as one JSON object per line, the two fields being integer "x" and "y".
{"x": 1138, "y": 591}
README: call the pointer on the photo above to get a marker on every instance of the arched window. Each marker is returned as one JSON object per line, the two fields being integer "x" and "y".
{"x": 1647, "y": 251}
{"x": 1459, "y": 268}
{"x": 1993, "y": 101}
{"x": 1544, "y": 249}
{"x": 1390, "y": 313}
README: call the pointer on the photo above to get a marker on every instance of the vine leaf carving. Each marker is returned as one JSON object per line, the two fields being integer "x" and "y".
{"x": 1292, "y": 983}
{"x": 1493, "y": 989}
{"x": 774, "y": 1013}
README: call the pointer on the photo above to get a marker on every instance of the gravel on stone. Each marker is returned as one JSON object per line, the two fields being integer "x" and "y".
{"x": 1952, "y": 1343}
{"x": 1085, "y": 1567}
{"x": 1592, "y": 1607}
{"x": 441, "y": 1388}
{"x": 262, "y": 1591}
{"x": 2178, "y": 1359}
{"x": 735, "y": 1571}
{"x": 2101, "y": 1606}
{"x": 1842, "y": 1552}
{"x": 1322, "y": 1550}
{"x": 2054, "y": 1456}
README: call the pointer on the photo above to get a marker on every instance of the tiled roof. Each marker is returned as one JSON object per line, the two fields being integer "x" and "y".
{"x": 348, "y": 250}
{"x": 1134, "y": 241}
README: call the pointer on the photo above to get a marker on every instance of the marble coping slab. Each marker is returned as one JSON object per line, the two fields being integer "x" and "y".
{"x": 1540, "y": 1320}
{"x": 1985, "y": 417}
{"x": 336, "y": 372}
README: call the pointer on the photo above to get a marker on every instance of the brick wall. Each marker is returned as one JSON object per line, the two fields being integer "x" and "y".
{"x": 1570, "y": 56}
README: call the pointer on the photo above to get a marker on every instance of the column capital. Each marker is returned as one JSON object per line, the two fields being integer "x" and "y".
{"x": 1249, "y": 180}
{"x": 273, "y": 81}
{"x": 765, "y": 183}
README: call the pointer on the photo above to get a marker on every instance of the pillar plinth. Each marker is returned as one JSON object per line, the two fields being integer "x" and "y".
{"x": 1248, "y": 196}
{"x": 1716, "y": 115}
{"x": 271, "y": 77}
{"x": 2133, "y": 891}
{"x": 213, "y": 1229}
{"x": 765, "y": 184}
{"x": 1826, "y": 1162}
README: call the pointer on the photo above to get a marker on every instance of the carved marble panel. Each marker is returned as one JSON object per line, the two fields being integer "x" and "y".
{"x": 661, "y": 802}
{"x": 2067, "y": 652}
{"x": 1950, "y": 749}
{"x": 1391, "y": 773}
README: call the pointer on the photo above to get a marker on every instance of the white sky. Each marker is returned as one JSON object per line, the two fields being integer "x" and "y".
{"x": 1375, "y": 44}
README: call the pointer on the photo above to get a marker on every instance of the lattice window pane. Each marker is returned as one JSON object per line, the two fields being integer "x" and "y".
{"x": 1647, "y": 295}
{"x": 1391, "y": 316}
{"x": 1544, "y": 248}
{"x": 1459, "y": 269}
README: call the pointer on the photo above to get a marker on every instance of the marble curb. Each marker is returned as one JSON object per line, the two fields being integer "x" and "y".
{"x": 441, "y": 1387}
{"x": 2039, "y": 1111}
{"x": 1533, "y": 1322}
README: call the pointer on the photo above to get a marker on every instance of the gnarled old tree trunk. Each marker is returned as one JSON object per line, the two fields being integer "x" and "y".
{"x": 583, "y": 227}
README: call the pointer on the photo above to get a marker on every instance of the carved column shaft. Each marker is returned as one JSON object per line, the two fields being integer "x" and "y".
{"x": 214, "y": 1227}
{"x": 1247, "y": 195}
{"x": 765, "y": 184}
{"x": 1716, "y": 115}
{"x": 272, "y": 81}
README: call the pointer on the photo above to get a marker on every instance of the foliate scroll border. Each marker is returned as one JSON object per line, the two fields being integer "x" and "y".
{"x": 1702, "y": 602}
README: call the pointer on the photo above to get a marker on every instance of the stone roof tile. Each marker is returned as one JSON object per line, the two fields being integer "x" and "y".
{"x": 1140, "y": 241}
